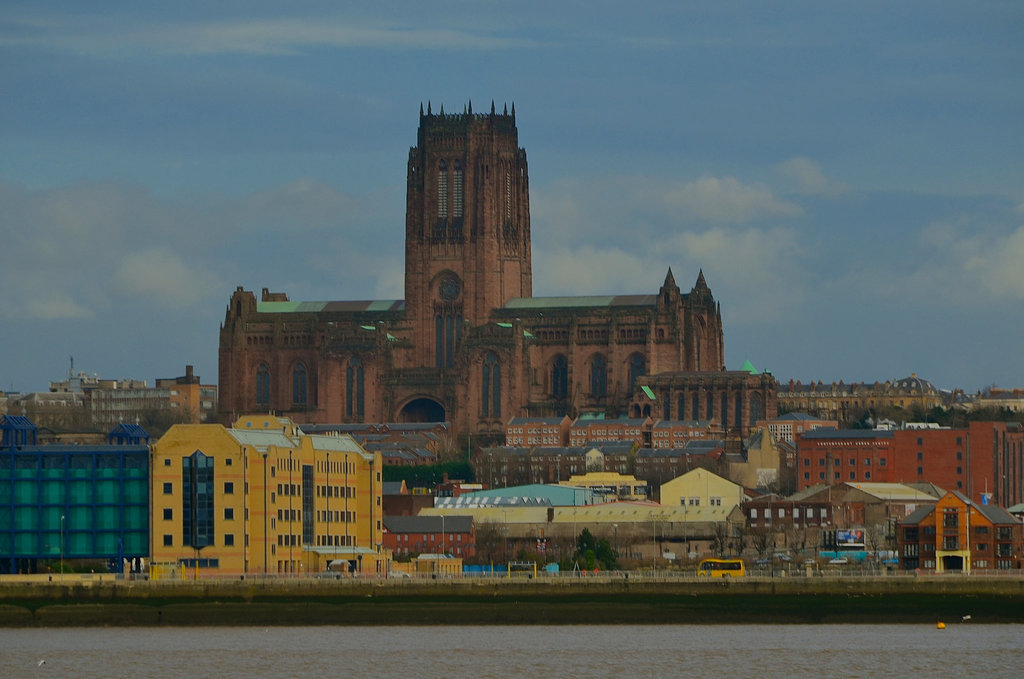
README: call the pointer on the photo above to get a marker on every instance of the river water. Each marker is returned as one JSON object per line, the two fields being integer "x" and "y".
{"x": 533, "y": 652}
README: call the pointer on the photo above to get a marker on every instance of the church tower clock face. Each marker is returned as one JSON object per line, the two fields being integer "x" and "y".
{"x": 450, "y": 288}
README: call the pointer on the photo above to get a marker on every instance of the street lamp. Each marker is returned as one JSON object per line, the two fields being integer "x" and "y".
{"x": 615, "y": 529}
{"x": 62, "y": 548}
{"x": 266, "y": 514}
{"x": 291, "y": 565}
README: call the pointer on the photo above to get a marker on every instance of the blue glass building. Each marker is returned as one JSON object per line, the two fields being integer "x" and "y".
{"x": 71, "y": 501}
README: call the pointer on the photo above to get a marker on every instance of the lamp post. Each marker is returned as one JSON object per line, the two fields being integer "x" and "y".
{"x": 266, "y": 515}
{"x": 443, "y": 550}
{"x": 62, "y": 548}
{"x": 291, "y": 567}
{"x": 615, "y": 529}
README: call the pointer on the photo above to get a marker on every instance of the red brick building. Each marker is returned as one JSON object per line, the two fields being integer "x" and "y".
{"x": 959, "y": 535}
{"x": 676, "y": 433}
{"x": 984, "y": 461}
{"x": 469, "y": 344}
{"x": 791, "y": 425}
{"x": 537, "y": 431}
{"x": 405, "y": 535}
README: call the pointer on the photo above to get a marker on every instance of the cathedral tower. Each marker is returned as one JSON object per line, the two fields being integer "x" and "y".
{"x": 467, "y": 238}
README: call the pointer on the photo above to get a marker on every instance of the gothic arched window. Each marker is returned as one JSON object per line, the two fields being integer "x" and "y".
{"x": 457, "y": 191}
{"x": 711, "y": 406}
{"x": 681, "y": 406}
{"x": 599, "y": 377}
{"x": 442, "y": 190}
{"x": 299, "y": 385}
{"x": 490, "y": 387}
{"x": 756, "y": 409}
{"x": 695, "y": 410}
{"x": 354, "y": 404}
{"x": 739, "y": 411}
{"x": 725, "y": 411}
{"x": 637, "y": 369}
{"x": 559, "y": 377}
{"x": 263, "y": 385}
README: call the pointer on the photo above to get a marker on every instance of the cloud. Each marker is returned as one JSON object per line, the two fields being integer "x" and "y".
{"x": 725, "y": 199}
{"x": 54, "y": 305}
{"x": 161, "y": 277}
{"x": 276, "y": 36}
{"x": 996, "y": 267}
{"x": 805, "y": 177}
{"x": 95, "y": 249}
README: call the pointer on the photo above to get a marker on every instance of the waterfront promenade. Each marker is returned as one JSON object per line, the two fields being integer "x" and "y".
{"x": 611, "y": 599}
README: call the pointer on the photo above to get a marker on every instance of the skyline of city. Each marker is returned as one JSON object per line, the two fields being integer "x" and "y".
{"x": 848, "y": 179}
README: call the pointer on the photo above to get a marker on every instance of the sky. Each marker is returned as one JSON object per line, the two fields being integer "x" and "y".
{"x": 848, "y": 176}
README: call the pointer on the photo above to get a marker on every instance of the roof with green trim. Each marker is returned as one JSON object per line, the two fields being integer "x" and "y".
{"x": 592, "y": 301}
{"x": 373, "y": 305}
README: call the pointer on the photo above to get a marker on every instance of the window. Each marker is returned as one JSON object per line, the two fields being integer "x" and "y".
{"x": 229, "y": 513}
{"x": 599, "y": 377}
{"x": 167, "y": 462}
{"x": 490, "y": 387}
{"x": 881, "y": 462}
{"x": 168, "y": 488}
{"x": 637, "y": 369}
{"x": 559, "y": 377}
{"x": 168, "y": 540}
{"x": 920, "y": 455}
{"x": 262, "y": 385}
{"x": 354, "y": 404}
{"x": 229, "y": 487}
{"x": 442, "y": 190}
{"x": 229, "y": 540}
{"x": 168, "y": 514}
{"x": 299, "y": 385}
{"x": 197, "y": 500}
{"x": 920, "y": 471}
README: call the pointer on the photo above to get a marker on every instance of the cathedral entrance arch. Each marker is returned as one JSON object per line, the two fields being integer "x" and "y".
{"x": 422, "y": 409}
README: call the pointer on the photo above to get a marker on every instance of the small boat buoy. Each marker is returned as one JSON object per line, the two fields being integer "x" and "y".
{"x": 940, "y": 625}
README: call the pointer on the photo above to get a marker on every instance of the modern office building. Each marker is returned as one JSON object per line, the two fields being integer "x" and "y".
{"x": 264, "y": 498}
{"x": 60, "y": 503}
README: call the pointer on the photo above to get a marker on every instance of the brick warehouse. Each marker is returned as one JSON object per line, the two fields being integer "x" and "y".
{"x": 469, "y": 343}
{"x": 984, "y": 461}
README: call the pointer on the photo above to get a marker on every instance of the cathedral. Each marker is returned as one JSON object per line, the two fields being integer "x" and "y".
{"x": 470, "y": 344}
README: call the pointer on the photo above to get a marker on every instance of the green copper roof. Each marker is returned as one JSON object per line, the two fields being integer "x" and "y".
{"x": 748, "y": 367}
{"x": 581, "y": 302}
{"x": 647, "y": 390}
{"x": 313, "y": 307}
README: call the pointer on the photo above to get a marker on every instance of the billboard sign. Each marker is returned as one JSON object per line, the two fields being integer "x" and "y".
{"x": 853, "y": 537}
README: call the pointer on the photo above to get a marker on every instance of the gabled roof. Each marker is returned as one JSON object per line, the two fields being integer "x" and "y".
{"x": 428, "y": 524}
{"x": 798, "y": 417}
{"x": 848, "y": 434}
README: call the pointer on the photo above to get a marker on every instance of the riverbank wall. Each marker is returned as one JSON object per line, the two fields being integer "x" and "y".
{"x": 466, "y": 601}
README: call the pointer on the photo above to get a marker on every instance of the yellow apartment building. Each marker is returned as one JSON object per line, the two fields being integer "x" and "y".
{"x": 701, "y": 488}
{"x": 263, "y": 498}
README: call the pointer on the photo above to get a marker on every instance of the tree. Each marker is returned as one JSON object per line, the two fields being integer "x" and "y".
{"x": 720, "y": 539}
{"x": 763, "y": 541}
{"x": 593, "y": 553}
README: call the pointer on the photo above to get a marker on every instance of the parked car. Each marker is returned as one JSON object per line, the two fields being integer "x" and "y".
{"x": 839, "y": 561}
